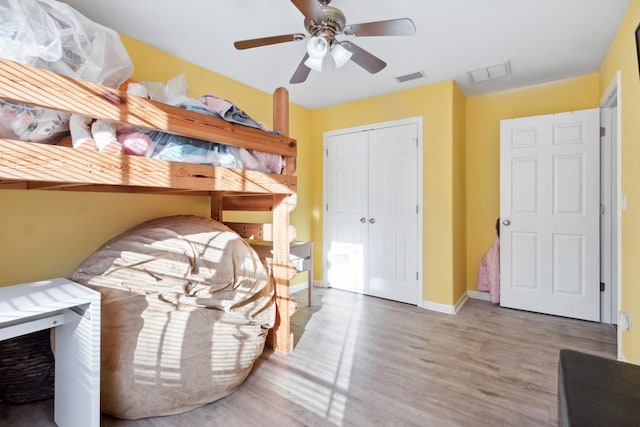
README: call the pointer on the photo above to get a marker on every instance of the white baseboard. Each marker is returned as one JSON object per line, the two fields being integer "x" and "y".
{"x": 484, "y": 296}
{"x": 621, "y": 357}
{"x": 303, "y": 285}
{"x": 445, "y": 308}
{"x": 464, "y": 298}
{"x": 297, "y": 288}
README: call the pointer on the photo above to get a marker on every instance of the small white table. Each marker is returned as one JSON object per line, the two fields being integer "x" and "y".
{"x": 300, "y": 255}
{"x": 74, "y": 311}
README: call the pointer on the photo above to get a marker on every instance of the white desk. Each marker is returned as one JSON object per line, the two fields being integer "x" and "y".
{"x": 74, "y": 311}
{"x": 300, "y": 255}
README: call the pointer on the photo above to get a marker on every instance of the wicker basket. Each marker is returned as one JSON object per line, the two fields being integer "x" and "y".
{"x": 27, "y": 368}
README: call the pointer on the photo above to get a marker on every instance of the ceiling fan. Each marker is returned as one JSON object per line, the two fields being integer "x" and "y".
{"x": 324, "y": 23}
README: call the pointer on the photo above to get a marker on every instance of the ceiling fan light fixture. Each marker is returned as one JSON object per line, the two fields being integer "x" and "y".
{"x": 317, "y": 48}
{"x": 314, "y": 63}
{"x": 340, "y": 54}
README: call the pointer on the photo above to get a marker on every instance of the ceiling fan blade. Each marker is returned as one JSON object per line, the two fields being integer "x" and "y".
{"x": 366, "y": 60}
{"x": 263, "y": 41}
{"x": 311, "y": 9}
{"x": 394, "y": 27}
{"x": 302, "y": 72}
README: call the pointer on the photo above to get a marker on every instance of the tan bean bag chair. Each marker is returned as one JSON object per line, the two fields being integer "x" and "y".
{"x": 186, "y": 306}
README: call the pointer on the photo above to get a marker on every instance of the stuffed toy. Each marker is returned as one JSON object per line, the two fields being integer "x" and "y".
{"x": 106, "y": 136}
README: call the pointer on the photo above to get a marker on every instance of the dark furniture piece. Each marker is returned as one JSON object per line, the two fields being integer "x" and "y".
{"x": 595, "y": 391}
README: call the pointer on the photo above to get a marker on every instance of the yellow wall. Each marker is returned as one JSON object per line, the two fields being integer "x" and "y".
{"x": 47, "y": 234}
{"x": 483, "y": 150}
{"x": 459, "y": 195}
{"x": 622, "y": 57}
{"x": 436, "y": 104}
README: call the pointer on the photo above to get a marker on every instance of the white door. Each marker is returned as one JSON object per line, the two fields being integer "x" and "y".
{"x": 550, "y": 213}
{"x": 371, "y": 218}
{"x": 346, "y": 228}
{"x": 393, "y": 239}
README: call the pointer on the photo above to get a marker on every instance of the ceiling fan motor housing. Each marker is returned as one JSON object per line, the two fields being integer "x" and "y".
{"x": 334, "y": 23}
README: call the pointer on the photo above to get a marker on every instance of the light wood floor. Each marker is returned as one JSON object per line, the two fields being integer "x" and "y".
{"x": 363, "y": 361}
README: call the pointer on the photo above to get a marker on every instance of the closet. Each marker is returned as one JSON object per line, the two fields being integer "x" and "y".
{"x": 372, "y": 211}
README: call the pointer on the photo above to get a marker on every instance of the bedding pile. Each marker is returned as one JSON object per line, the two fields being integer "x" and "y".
{"x": 178, "y": 148}
{"x": 52, "y": 35}
{"x": 186, "y": 307}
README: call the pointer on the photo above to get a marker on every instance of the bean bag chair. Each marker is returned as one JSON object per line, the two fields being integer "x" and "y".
{"x": 186, "y": 307}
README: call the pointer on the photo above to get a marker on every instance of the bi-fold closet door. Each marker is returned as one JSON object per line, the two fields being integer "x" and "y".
{"x": 371, "y": 212}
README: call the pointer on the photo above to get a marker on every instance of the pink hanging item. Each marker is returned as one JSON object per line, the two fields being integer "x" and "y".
{"x": 489, "y": 272}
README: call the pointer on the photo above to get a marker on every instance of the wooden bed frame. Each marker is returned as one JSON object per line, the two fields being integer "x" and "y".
{"x": 26, "y": 165}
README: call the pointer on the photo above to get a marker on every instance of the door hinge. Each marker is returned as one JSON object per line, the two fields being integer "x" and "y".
{"x": 326, "y": 152}
{"x": 603, "y": 131}
{"x": 602, "y": 209}
{"x": 602, "y": 286}
{"x": 416, "y": 275}
{"x": 417, "y": 209}
{"x": 327, "y": 207}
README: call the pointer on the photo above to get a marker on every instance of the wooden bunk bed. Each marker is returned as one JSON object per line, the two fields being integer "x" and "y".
{"x": 26, "y": 165}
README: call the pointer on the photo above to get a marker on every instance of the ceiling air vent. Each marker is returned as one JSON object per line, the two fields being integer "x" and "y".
{"x": 489, "y": 73}
{"x": 412, "y": 76}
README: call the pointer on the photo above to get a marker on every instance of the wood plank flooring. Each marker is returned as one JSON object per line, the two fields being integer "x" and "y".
{"x": 364, "y": 361}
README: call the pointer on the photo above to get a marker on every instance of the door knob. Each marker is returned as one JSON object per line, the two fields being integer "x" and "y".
{"x": 506, "y": 223}
{"x": 363, "y": 220}
{"x": 372, "y": 221}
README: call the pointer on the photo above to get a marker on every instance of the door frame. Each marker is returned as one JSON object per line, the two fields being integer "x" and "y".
{"x": 610, "y": 99}
{"x": 418, "y": 121}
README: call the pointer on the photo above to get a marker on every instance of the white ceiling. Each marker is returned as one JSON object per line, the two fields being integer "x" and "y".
{"x": 543, "y": 40}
